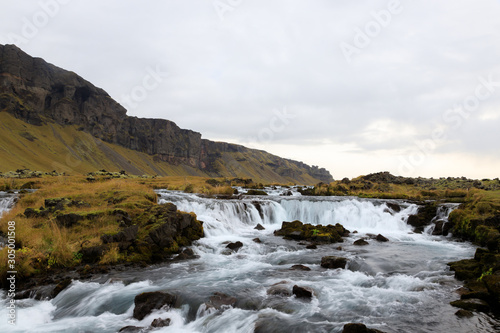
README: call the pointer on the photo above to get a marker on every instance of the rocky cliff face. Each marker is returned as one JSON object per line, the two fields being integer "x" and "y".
{"x": 37, "y": 92}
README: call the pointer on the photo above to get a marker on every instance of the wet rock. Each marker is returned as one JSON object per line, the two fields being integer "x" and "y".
{"x": 186, "y": 254}
{"x": 259, "y": 227}
{"x": 471, "y": 304}
{"x": 424, "y": 216}
{"x": 300, "y": 268}
{"x": 280, "y": 289}
{"x": 381, "y": 238}
{"x": 442, "y": 228}
{"x": 171, "y": 229}
{"x": 302, "y": 292}
{"x": 464, "y": 314}
{"x": 158, "y": 322}
{"x": 358, "y": 328}
{"x": 394, "y": 207}
{"x": 220, "y": 301}
{"x": 466, "y": 269}
{"x": 256, "y": 192}
{"x": 235, "y": 246}
{"x": 361, "y": 242}
{"x": 299, "y": 231}
{"x": 257, "y": 240}
{"x": 131, "y": 329}
{"x": 333, "y": 262}
{"x": 60, "y": 287}
{"x": 311, "y": 246}
{"x": 145, "y": 303}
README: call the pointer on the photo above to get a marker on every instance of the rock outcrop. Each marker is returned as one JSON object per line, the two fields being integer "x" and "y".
{"x": 38, "y": 93}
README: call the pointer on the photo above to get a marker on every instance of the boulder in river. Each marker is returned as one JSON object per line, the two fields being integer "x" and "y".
{"x": 234, "y": 246}
{"x": 302, "y": 292}
{"x": 280, "y": 289}
{"x": 300, "y": 268}
{"x": 464, "y": 313}
{"x": 158, "y": 322}
{"x": 333, "y": 262}
{"x": 131, "y": 329}
{"x": 361, "y": 242}
{"x": 358, "y": 328}
{"x": 259, "y": 227}
{"x": 145, "y": 303}
{"x": 424, "y": 216}
{"x": 320, "y": 234}
{"x": 381, "y": 238}
{"x": 471, "y": 304}
{"x": 220, "y": 301}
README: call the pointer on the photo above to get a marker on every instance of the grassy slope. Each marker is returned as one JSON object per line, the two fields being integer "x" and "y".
{"x": 65, "y": 149}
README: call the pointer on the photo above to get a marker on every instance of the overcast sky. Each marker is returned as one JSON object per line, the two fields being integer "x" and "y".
{"x": 410, "y": 87}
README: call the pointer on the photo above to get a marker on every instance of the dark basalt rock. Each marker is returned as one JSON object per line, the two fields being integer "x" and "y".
{"x": 158, "y": 322}
{"x": 126, "y": 235}
{"x": 381, "y": 238}
{"x": 442, "y": 228}
{"x": 300, "y": 268}
{"x": 220, "y": 301}
{"x": 68, "y": 220}
{"x": 360, "y": 242}
{"x": 302, "y": 292}
{"x": 259, "y": 227}
{"x": 186, "y": 254}
{"x": 131, "y": 329}
{"x": 394, "y": 207}
{"x": 424, "y": 217}
{"x": 471, "y": 304}
{"x": 333, "y": 262}
{"x": 60, "y": 287}
{"x": 297, "y": 230}
{"x": 464, "y": 313}
{"x": 171, "y": 228}
{"x": 280, "y": 289}
{"x": 145, "y": 303}
{"x": 256, "y": 192}
{"x": 358, "y": 328}
{"x": 235, "y": 246}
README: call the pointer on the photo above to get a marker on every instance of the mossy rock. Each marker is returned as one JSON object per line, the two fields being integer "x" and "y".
{"x": 472, "y": 304}
{"x": 297, "y": 230}
{"x": 466, "y": 269}
{"x": 256, "y": 192}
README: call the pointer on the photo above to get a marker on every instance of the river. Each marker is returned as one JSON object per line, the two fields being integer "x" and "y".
{"x": 403, "y": 285}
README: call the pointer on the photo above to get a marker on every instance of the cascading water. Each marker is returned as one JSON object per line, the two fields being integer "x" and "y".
{"x": 6, "y": 201}
{"x": 398, "y": 286}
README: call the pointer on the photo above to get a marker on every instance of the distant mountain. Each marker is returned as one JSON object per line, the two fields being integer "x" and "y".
{"x": 54, "y": 119}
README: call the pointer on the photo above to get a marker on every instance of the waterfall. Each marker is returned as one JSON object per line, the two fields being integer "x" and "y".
{"x": 7, "y": 200}
{"x": 227, "y": 216}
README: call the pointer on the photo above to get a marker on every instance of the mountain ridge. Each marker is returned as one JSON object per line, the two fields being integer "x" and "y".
{"x": 40, "y": 93}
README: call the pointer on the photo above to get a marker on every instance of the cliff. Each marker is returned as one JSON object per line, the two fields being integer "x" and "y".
{"x": 41, "y": 94}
